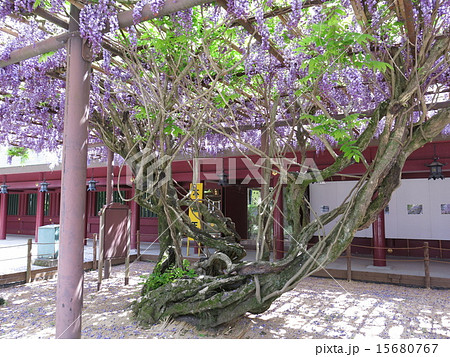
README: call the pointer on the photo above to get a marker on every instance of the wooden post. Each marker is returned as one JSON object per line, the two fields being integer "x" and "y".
{"x": 69, "y": 296}
{"x": 94, "y": 252}
{"x": 426, "y": 261}
{"x": 138, "y": 245}
{"x": 278, "y": 223}
{"x": 349, "y": 263}
{"x": 30, "y": 245}
{"x": 109, "y": 199}
{"x": 135, "y": 218}
{"x": 40, "y": 204}
{"x": 100, "y": 253}
{"x": 108, "y": 265}
{"x": 379, "y": 241}
{"x": 3, "y": 214}
{"x": 127, "y": 259}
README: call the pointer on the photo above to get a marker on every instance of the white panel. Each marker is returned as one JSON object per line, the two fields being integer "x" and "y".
{"x": 430, "y": 224}
{"x": 323, "y": 194}
{"x": 332, "y": 194}
{"x": 343, "y": 189}
{"x": 391, "y": 218}
{"x": 413, "y": 226}
{"x": 439, "y": 194}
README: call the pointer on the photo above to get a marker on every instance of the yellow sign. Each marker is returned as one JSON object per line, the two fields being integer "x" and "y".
{"x": 194, "y": 215}
{"x": 196, "y": 195}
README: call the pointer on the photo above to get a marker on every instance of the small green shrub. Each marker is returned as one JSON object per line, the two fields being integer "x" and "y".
{"x": 2, "y": 301}
{"x": 155, "y": 280}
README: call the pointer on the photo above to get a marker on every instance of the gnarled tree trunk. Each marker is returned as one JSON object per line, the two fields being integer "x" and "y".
{"x": 241, "y": 287}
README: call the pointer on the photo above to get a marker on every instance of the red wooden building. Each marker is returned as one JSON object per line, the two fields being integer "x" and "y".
{"x": 24, "y": 208}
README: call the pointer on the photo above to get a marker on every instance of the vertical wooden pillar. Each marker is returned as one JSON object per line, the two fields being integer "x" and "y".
{"x": 29, "y": 256}
{"x": 109, "y": 177}
{"x": 88, "y": 212}
{"x": 278, "y": 227}
{"x": 69, "y": 294}
{"x": 39, "y": 213}
{"x": 135, "y": 220}
{"x": 379, "y": 241}
{"x": 3, "y": 214}
{"x": 138, "y": 245}
{"x": 94, "y": 252}
{"x": 109, "y": 199}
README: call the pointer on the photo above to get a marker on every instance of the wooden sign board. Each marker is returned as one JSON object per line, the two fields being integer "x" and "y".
{"x": 116, "y": 230}
{"x": 196, "y": 195}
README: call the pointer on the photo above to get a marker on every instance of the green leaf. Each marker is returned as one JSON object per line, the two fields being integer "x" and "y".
{"x": 173, "y": 130}
{"x": 17, "y": 151}
{"x": 45, "y": 56}
{"x": 381, "y": 66}
{"x": 351, "y": 151}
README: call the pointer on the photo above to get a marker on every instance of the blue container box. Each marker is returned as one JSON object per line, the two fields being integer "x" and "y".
{"x": 48, "y": 241}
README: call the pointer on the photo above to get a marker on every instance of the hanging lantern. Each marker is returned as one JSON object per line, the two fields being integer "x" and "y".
{"x": 4, "y": 188}
{"x": 44, "y": 186}
{"x": 436, "y": 170}
{"x": 92, "y": 185}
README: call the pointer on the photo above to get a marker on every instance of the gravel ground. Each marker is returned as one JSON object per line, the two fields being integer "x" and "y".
{"x": 317, "y": 308}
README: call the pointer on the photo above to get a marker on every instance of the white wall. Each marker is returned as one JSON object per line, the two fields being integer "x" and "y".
{"x": 332, "y": 194}
{"x": 44, "y": 157}
{"x": 429, "y": 224}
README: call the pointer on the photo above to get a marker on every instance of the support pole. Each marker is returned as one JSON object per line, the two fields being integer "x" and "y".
{"x": 69, "y": 294}
{"x": 264, "y": 244}
{"x": 107, "y": 263}
{"x": 39, "y": 213}
{"x": 109, "y": 177}
{"x": 379, "y": 241}
{"x": 127, "y": 259}
{"x": 89, "y": 195}
{"x": 278, "y": 227}
{"x": 3, "y": 214}
{"x": 29, "y": 256}
{"x": 109, "y": 199}
{"x": 135, "y": 220}
{"x": 138, "y": 243}
{"x": 101, "y": 250}
{"x": 94, "y": 252}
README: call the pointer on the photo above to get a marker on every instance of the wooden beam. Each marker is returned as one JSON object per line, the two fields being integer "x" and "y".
{"x": 283, "y": 10}
{"x": 169, "y": 7}
{"x": 51, "y": 18}
{"x": 9, "y": 32}
{"x": 52, "y": 44}
{"x": 252, "y": 31}
{"x": 407, "y": 16}
{"x": 125, "y": 20}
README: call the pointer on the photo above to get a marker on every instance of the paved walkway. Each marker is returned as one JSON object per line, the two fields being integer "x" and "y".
{"x": 316, "y": 308}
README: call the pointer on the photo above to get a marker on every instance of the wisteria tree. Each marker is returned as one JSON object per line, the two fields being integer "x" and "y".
{"x": 257, "y": 77}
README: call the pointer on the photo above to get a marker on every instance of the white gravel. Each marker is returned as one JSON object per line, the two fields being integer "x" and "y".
{"x": 317, "y": 308}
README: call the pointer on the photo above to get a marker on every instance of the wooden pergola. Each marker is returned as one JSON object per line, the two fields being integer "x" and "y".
{"x": 75, "y": 136}
{"x": 74, "y": 160}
